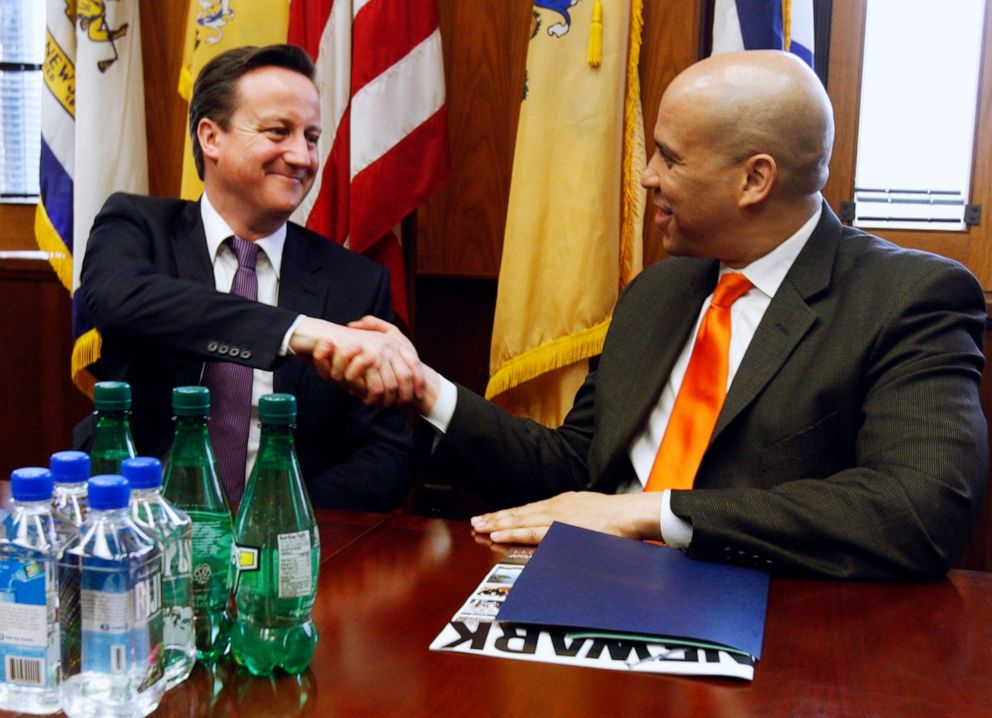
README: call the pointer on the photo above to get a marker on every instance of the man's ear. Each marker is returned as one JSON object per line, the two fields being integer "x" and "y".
{"x": 208, "y": 133}
{"x": 761, "y": 173}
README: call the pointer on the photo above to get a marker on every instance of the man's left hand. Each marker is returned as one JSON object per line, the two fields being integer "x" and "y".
{"x": 630, "y": 515}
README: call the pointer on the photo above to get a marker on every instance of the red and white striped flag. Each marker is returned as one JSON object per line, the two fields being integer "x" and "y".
{"x": 384, "y": 147}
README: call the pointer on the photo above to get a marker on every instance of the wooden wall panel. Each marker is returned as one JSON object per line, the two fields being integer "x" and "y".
{"x": 162, "y": 31}
{"x": 38, "y": 403}
{"x": 671, "y": 42}
{"x": 485, "y": 44}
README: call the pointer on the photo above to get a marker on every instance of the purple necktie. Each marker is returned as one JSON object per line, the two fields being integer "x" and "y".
{"x": 230, "y": 389}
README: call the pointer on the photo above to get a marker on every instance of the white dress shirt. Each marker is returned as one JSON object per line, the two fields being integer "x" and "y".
{"x": 267, "y": 269}
{"x": 766, "y": 274}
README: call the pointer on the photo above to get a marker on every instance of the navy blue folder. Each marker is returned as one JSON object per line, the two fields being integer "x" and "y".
{"x": 588, "y": 580}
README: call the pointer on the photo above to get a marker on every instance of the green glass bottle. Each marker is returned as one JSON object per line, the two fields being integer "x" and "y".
{"x": 112, "y": 442}
{"x": 277, "y": 553}
{"x": 192, "y": 484}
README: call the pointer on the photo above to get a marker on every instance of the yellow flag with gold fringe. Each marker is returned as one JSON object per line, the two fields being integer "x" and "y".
{"x": 212, "y": 28}
{"x": 573, "y": 227}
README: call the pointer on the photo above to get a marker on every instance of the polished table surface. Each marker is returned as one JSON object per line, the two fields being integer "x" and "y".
{"x": 389, "y": 583}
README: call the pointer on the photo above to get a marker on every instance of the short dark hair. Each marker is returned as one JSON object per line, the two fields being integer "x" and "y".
{"x": 215, "y": 90}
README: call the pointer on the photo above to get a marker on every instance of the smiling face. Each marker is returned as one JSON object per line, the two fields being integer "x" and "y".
{"x": 260, "y": 167}
{"x": 695, "y": 186}
{"x": 742, "y": 146}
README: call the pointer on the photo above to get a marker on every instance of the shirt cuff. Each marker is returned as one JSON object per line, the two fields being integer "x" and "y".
{"x": 285, "y": 350}
{"x": 675, "y": 532}
{"x": 444, "y": 406}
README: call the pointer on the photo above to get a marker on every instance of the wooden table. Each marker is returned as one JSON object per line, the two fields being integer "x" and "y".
{"x": 389, "y": 583}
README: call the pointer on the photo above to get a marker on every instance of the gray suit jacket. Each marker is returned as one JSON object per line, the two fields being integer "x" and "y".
{"x": 851, "y": 444}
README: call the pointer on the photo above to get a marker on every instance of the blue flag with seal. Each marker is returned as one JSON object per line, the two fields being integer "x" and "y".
{"x": 92, "y": 138}
{"x": 764, "y": 25}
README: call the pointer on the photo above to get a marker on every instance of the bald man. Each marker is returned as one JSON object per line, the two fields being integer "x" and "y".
{"x": 851, "y": 442}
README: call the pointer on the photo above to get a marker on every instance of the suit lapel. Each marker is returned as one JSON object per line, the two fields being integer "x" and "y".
{"x": 787, "y": 319}
{"x": 665, "y": 337}
{"x": 193, "y": 261}
{"x": 301, "y": 291}
{"x": 658, "y": 336}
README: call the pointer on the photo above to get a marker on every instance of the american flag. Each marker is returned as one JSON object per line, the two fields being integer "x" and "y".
{"x": 384, "y": 147}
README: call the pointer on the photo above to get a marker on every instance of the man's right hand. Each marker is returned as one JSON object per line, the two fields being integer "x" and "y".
{"x": 370, "y": 358}
{"x": 373, "y": 360}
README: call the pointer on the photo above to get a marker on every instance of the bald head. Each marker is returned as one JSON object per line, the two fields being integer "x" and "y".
{"x": 746, "y": 103}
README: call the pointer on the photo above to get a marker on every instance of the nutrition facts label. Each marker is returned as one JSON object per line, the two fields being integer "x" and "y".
{"x": 23, "y": 625}
{"x": 295, "y": 576}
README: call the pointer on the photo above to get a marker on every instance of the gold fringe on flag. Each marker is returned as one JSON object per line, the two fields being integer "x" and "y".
{"x": 634, "y": 197}
{"x": 582, "y": 344}
{"x": 48, "y": 240}
{"x": 547, "y": 357}
{"x": 85, "y": 351}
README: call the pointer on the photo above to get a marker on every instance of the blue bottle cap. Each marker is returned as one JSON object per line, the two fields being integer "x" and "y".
{"x": 108, "y": 491}
{"x": 32, "y": 483}
{"x": 70, "y": 467}
{"x": 144, "y": 472}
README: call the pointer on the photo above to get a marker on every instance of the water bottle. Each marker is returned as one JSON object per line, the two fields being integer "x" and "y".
{"x": 192, "y": 484}
{"x": 118, "y": 566}
{"x": 112, "y": 442}
{"x": 29, "y": 630}
{"x": 70, "y": 471}
{"x": 277, "y": 551}
{"x": 173, "y": 528}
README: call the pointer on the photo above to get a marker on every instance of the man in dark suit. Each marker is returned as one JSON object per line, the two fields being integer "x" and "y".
{"x": 851, "y": 441}
{"x": 157, "y": 275}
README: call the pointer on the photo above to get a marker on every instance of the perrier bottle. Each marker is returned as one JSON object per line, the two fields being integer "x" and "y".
{"x": 112, "y": 442}
{"x": 278, "y": 550}
{"x": 192, "y": 484}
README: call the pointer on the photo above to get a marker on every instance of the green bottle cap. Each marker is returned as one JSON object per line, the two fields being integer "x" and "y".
{"x": 112, "y": 396}
{"x": 277, "y": 409}
{"x": 191, "y": 400}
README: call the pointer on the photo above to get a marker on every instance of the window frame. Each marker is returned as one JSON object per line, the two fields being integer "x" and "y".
{"x": 971, "y": 246}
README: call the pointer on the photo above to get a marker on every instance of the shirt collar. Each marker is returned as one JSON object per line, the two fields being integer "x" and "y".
{"x": 217, "y": 230}
{"x": 766, "y": 273}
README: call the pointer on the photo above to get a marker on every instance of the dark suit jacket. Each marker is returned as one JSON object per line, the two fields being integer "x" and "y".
{"x": 851, "y": 443}
{"x": 148, "y": 284}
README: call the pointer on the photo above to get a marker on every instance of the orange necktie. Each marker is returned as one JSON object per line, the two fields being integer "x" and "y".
{"x": 701, "y": 395}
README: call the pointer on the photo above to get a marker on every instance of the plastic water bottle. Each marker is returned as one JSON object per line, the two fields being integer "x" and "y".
{"x": 29, "y": 631}
{"x": 192, "y": 484}
{"x": 277, "y": 550}
{"x": 112, "y": 442}
{"x": 173, "y": 528}
{"x": 70, "y": 471}
{"x": 119, "y": 569}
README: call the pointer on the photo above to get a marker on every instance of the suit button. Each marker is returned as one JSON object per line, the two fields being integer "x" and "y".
{"x": 245, "y": 354}
{"x": 211, "y": 346}
{"x": 223, "y": 349}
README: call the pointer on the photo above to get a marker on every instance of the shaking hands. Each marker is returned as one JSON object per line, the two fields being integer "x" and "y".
{"x": 370, "y": 358}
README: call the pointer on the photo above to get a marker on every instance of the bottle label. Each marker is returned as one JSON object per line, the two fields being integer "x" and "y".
{"x": 106, "y": 632}
{"x": 122, "y": 621}
{"x": 27, "y": 636}
{"x": 211, "y": 549}
{"x": 295, "y": 577}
